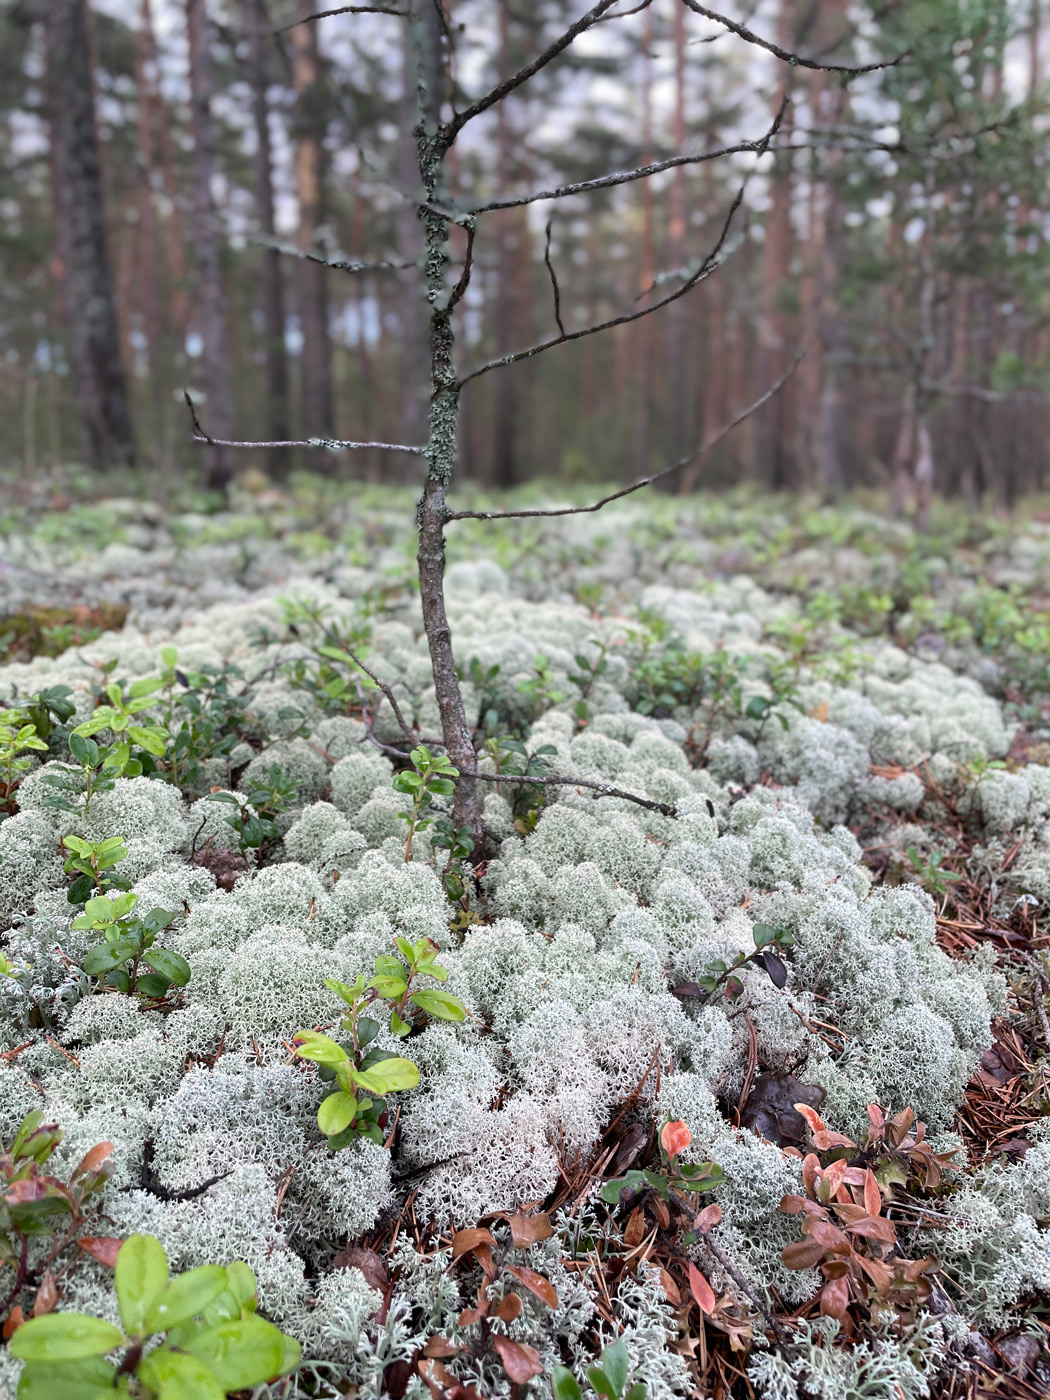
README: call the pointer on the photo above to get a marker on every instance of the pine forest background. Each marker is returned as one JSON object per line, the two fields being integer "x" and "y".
{"x": 899, "y": 229}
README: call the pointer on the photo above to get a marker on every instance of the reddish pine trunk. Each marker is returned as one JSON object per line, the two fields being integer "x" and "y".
{"x": 101, "y": 390}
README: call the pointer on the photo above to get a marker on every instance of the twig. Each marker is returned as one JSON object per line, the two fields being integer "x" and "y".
{"x": 702, "y": 450}
{"x": 468, "y": 266}
{"x": 344, "y": 10}
{"x": 622, "y": 14}
{"x": 602, "y": 789}
{"x": 794, "y": 59}
{"x": 742, "y": 1282}
{"x": 340, "y": 264}
{"x": 709, "y": 265}
{"x": 554, "y": 277}
{"x": 1041, "y": 988}
{"x": 332, "y": 444}
{"x": 452, "y": 129}
{"x": 625, "y": 177}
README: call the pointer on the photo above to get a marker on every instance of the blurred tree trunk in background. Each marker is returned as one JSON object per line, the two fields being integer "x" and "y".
{"x": 101, "y": 390}
{"x": 210, "y": 300}
{"x": 315, "y": 360}
{"x": 271, "y": 289}
{"x": 678, "y": 311}
{"x": 646, "y": 271}
{"x": 505, "y": 303}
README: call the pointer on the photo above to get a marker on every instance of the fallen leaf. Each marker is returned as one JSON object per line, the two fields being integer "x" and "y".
{"x": 701, "y": 1290}
{"x": 104, "y": 1248}
{"x": 708, "y": 1218}
{"x": 528, "y": 1229}
{"x": 521, "y": 1362}
{"x": 366, "y": 1262}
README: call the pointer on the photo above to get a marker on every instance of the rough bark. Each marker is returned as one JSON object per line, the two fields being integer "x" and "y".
{"x": 271, "y": 280}
{"x": 677, "y": 358}
{"x": 311, "y": 278}
{"x": 643, "y": 334}
{"x": 210, "y": 299}
{"x": 101, "y": 389}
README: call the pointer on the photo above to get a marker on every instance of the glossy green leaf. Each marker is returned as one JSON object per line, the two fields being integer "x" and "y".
{"x": 440, "y": 1004}
{"x": 245, "y": 1352}
{"x": 175, "y": 968}
{"x": 175, "y": 1375}
{"x": 241, "y": 1282}
{"x": 336, "y": 1113}
{"x": 88, "y": 1379}
{"x": 388, "y": 1077}
{"x": 64, "y": 1337}
{"x": 185, "y": 1296}
{"x": 564, "y": 1384}
{"x": 615, "y": 1361}
{"x": 312, "y": 1045}
{"x": 141, "y": 1276}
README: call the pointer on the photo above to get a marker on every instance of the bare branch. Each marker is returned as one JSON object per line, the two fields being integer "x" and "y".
{"x": 452, "y": 129}
{"x": 622, "y": 14}
{"x": 340, "y": 264}
{"x": 468, "y": 266}
{"x": 701, "y": 450}
{"x": 344, "y": 10}
{"x": 602, "y": 789}
{"x": 794, "y": 59}
{"x": 624, "y": 177}
{"x": 554, "y": 279}
{"x": 332, "y": 444}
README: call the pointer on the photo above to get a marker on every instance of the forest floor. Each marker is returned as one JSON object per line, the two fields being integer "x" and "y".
{"x": 729, "y": 1053}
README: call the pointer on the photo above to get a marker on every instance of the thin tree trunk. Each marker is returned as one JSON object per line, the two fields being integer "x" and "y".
{"x": 311, "y": 278}
{"x": 505, "y": 301}
{"x": 207, "y": 237}
{"x": 271, "y": 288}
{"x": 412, "y": 317}
{"x": 677, "y": 358}
{"x": 646, "y": 271}
{"x": 101, "y": 389}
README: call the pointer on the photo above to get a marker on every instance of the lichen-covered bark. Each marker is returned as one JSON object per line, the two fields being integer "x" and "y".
{"x": 440, "y": 452}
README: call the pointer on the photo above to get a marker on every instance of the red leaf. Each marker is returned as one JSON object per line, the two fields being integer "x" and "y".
{"x": 12, "y": 1323}
{"x": 535, "y": 1283}
{"x": 701, "y": 1290}
{"x": 46, "y": 1295}
{"x": 93, "y": 1159}
{"x": 520, "y": 1362}
{"x": 104, "y": 1248}
{"x": 803, "y": 1254}
{"x": 509, "y": 1308}
{"x": 834, "y": 1299}
{"x": 465, "y": 1240}
{"x": 675, "y": 1137}
{"x": 812, "y": 1117}
{"x": 872, "y": 1194}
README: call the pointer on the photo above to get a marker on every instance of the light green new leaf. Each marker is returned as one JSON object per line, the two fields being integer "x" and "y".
{"x": 141, "y": 1276}
{"x": 337, "y": 1112}
{"x": 177, "y": 1376}
{"x": 564, "y": 1384}
{"x": 245, "y": 1352}
{"x": 388, "y": 1076}
{"x": 88, "y": 1379}
{"x": 443, "y": 1005}
{"x": 185, "y": 1297}
{"x": 312, "y": 1045}
{"x": 64, "y": 1337}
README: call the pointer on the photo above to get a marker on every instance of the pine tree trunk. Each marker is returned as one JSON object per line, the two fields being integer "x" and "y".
{"x": 101, "y": 389}
{"x": 646, "y": 271}
{"x": 210, "y": 299}
{"x": 311, "y": 278}
{"x": 271, "y": 285}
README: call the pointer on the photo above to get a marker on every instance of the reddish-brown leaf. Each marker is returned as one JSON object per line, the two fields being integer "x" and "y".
{"x": 46, "y": 1295}
{"x": 708, "y": 1218}
{"x": 880, "y": 1274}
{"x": 670, "y": 1288}
{"x": 527, "y": 1229}
{"x": 834, "y": 1299}
{"x": 812, "y": 1117}
{"x": 872, "y": 1194}
{"x": 825, "y": 1234}
{"x": 438, "y": 1346}
{"x": 509, "y": 1308}
{"x": 803, "y": 1254}
{"x": 465, "y": 1240}
{"x": 521, "y": 1362}
{"x": 437, "y": 1377}
{"x": 535, "y": 1283}
{"x": 104, "y": 1248}
{"x": 810, "y": 1172}
{"x": 873, "y": 1228}
{"x": 701, "y": 1291}
{"x": 660, "y": 1213}
{"x": 367, "y": 1262}
{"x": 93, "y": 1159}
{"x": 792, "y": 1205}
{"x": 12, "y": 1322}
{"x": 634, "y": 1230}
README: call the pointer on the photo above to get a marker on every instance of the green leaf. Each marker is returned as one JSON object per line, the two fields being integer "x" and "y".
{"x": 601, "y": 1383}
{"x": 90, "y": 1378}
{"x": 312, "y": 1045}
{"x": 245, "y": 1352}
{"x": 336, "y": 1113}
{"x": 141, "y": 1276}
{"x": 185, "y": 1297}
{"x": 564, "y": 1384}
{"x": 636, "y": 1392}
{"x": 241, "y": 1282}
{"x": 153, "y": 984}
{"x": 177, "y": 1376}
{"x": 440, "y": 1004}
{"x": 175, "y": 968}
{"x": 388, "y": 988}
{"x": 388, "y": 1077}
{"x": 153, "y": 740}
{"x": 64, "y": 1337}
{"x": 763, "y": 934}
{"x": 397, "y": 1026}
{"x": 615, "y": 1361}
